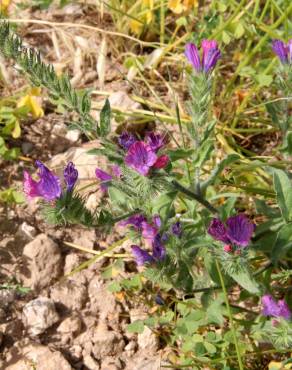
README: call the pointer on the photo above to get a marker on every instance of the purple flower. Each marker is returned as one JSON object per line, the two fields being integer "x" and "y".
{"x": 157, "y": 221}
{"x": 176, "y": 229}
{"x": 141, "y": 256}
{"x": 218, "y": 231}
{"x": 161, "y": 161}
{"x": 135, "y": 221}
{"x": 210, "y": 55}
{"x": 48, "y": 186}
{"x": 282, "y": 50}
{"x": 70, "y": 176}
{"x": 158, "y": 248}
{"x": 140, "y": 157}
{"x": 155, "y": 141}
{"x": 116, "y": 170}
{"x": 126, "y": 139}
{"x": 238, "y": 230}
{"x": 273, "y": 308}
{"x": 104, "y": 177}
{"x": 193, "y": 56}
{"x": 148, "y": 231}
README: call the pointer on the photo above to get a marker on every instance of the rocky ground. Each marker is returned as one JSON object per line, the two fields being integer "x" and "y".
{"x": 63, "y": 322}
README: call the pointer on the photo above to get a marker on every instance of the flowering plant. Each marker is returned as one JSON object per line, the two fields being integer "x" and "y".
{"x": 192, "y": 247}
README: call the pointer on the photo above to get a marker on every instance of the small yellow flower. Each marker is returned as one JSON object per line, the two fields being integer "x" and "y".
{"x": 180, "y": 6}
{"x": 4, "y": 4}
{"x": 31, "y": 102}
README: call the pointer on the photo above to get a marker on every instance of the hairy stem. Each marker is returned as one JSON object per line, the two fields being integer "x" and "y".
{"x": 195, "y": 196}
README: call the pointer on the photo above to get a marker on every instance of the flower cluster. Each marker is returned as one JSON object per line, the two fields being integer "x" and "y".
{"x": 150, "y": 231}
{"x": 235, "y": 232}
{"x": 143, "y": 156}
{"x": 283, "y": 51}
{"x": 49, "y": 186}
{"x": 210, "y": 55}
{"x": 276, "y": 309}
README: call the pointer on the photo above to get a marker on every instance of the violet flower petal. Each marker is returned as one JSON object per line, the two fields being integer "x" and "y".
{"x": 218, "y": 230}
{"x": 49, "y": 185}
{"x": 103, "y": 177}
{"x": 156, "y": 141}
{"x": 126, "y": 139}
{"x": 176, "y": 229}
{"x": 284, "y": 310}
{"x": 270, "y": 307}
{"x": 70, "y": 176}
{"x": 281, "y": 50}
{"x": 159, "y": 251}
{"x": 141, "y": 256}
{"x": 148, "y": 231}
{"x": 192, "y": 54}
{"x": 135, "y": 221}
{"x": 140, "y": 157}
{"x": 30, "y": 186}
{"x": 239, "y": 230}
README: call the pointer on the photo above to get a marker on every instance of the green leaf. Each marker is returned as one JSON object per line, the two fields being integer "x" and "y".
{"x": 239, "y": 31}
{"x": 180, "y": 153}
{"x": 204, "y": 153}
{"x": 246, "y": 280}
{"x": 136, "y": 327}
{"x": 114, "y": 287}
{"x": 283, "y": 242}
{"x": 283, "y": 188}
{"x": 210, "y": 347}
{"x": 263, "y": 79}
{"x": 105, "y": 119}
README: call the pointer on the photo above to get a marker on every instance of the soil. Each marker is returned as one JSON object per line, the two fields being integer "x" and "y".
{"x": 61, "y": 322}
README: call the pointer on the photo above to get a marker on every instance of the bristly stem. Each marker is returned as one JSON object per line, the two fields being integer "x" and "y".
{"x": 195, "y": 196}
{"x": 230, "y": 316}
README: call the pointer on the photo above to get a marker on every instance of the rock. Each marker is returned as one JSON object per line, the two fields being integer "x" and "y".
{"x": 72, "y": 260}
{"x": 70, "y": 294}
{"x": 76, "y": 351}
{"x": 42, "y": 358}
{"x": 1, "y": 338}
{"x": 102, "y": 301}
{"x": 84, "y": 237}
{"x": 106, "y": 342}
{"x": 2, "y": 316}
{"x": 110, "y": 363}
{"x": 26, "y": 147}
{"x": 43, "y": 262}
{"x": 38, "y": 315}
{"x": 90, "y": 363}
{"x": 70, "y": 326}
{"x": 148, "y": 340}
{"x": 7, "y": 296}
{"x": 73, "y": 135}
{"x": 26, "y": 232}
{"x": 141, "y": 362}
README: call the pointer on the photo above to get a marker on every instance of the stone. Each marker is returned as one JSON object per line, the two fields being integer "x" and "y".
{"x": 38, "y": 315}
{"x": 42, "y": 262}
{"x": 106, "y": 342}
{"x": 72, "y": 260}
{"x": 148, "y": 340}
{"x": 7, "y": 296}
{"x": 70, "y": 326}
{"x": 90, "y": 363}
{"x": 110, "y": 363}
{"x": 73, "y": 135}
{"x": 70, "y": 294}
{"x": 1, "y": 338}
{"x": 102, "y": 301}
{"x": 26, "y": 147}
{"x": 26, "y": 232}
{"x": 41, "y": 357}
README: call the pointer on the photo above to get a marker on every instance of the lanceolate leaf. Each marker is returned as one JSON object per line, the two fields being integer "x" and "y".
{"x": 283, "y": 242}
{"x": 245, "y": 279}
{"x": 283, "y": 188}
{"x": 105, "y": 119}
